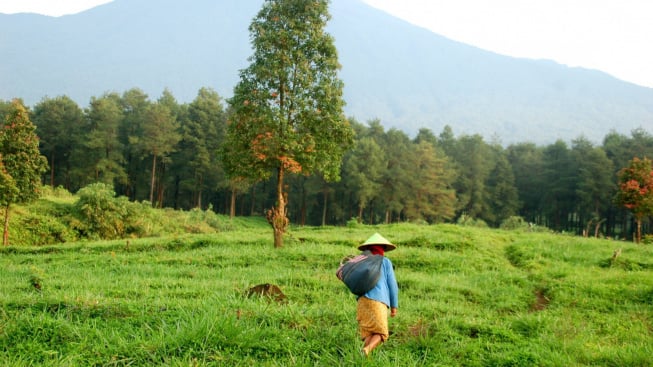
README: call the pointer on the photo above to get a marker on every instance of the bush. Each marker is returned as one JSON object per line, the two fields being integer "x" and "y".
{"x": 354, "y": 223}
{"x": 518, "y": 223}
{"x": 513, "y": 223}
{"x": 141, "y": 220}
{"x": 102, "y": 214}
{"x": 647, "y": 239}
{"x": 38, "y": 230}
{"x": 466, "y": 220}
{"x": 43, "y": 221}
{"x": 204, "y": 221}
{"x": 55, "y": 192}
{"x": 96, "y": 213}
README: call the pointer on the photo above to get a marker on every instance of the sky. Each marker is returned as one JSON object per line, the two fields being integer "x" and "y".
{"x": 53, "y": 8}
{"x": 614, "y": 36}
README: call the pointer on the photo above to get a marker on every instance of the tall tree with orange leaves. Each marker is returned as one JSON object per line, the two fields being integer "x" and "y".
{"x": 287, "y": 109}
{"x": 636, "y": 190}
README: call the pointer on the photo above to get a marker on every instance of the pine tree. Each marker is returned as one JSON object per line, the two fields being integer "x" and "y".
{"x": 364, "y": 167}
{"x": 202, "y": 134}
{"x": 433, "y": 198}
{"x": 59, "y": 124}
{"x": 159, "y": 139}
{"x": 21, "y": 163}
{"x": 104, "y": 160}
{"x": 504, "y": 198}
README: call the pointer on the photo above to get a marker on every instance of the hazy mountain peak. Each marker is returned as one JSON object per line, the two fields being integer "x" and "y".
{"x": 406, "y": 76}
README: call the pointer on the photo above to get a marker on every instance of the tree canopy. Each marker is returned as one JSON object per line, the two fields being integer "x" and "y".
{"x": 559, "y": 186}
{"x": 636, "y": 190}
{"x": 287, "y": 112}
{"x": 21, "y": 161}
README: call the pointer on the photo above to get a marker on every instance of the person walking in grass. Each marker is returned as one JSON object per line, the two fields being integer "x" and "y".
{"x": 372, "y": 309}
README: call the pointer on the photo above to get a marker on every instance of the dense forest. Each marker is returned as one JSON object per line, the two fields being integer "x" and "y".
{"x": 169, "y": 154}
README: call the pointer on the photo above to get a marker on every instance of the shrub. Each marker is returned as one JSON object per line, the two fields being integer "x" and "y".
{"x": 141, "y": 220}
{"x": 518, "y": 223}
{"x": 102, "y": 214}
{"x": 468, "y": 221}
{"x": 55, "y": 192}
{"x": 514, "y": 222}
{"x": 37, "y": 230}
{"x": 96, "y": 213}
{"x": 354, "y": 223}
{"x": 204, "y": 221}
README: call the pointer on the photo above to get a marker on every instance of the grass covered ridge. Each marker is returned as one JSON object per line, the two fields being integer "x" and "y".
{"x": 468, "y": 297}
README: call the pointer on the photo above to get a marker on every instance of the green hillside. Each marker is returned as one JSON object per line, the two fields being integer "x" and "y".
{"x": 468, "y": 297}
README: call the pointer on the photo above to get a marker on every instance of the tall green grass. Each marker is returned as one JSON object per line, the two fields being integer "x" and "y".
{"x": 468, "y": 297}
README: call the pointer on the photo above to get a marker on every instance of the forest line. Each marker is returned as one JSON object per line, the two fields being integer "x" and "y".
{"x": 169, "y": 153}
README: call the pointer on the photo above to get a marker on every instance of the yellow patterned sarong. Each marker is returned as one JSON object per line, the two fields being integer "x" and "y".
{"x": 372, "y": 318}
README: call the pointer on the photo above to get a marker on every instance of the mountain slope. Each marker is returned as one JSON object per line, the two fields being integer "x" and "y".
{"x": 406, "y": 76}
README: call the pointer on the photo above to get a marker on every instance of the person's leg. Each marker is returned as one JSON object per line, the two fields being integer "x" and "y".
{"x": 371, "y": 342}
{"x": 373, "y": 323}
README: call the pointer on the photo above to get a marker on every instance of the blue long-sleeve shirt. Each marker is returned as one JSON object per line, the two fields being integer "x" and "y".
{"x": 386, "y": 289}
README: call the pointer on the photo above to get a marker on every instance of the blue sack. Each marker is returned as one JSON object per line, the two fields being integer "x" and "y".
{"x": 360, "y": 273}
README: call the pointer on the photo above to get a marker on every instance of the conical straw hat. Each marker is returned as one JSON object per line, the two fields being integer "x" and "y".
{"x": 377, "y": 239}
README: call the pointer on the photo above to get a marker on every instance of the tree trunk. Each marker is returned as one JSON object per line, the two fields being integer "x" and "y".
{"x": 324, "y": 207}
{"x": 5, "y": 236}
{"x": 160, "y": 187}
{"x": 638, "y": 233}
{"x": 152, "y": 180}
{"x": 199, "y": 191}
{"x": 277, "y": 215}
{"x": 232, "y": 205}
{"x": 253, "y": 202}
{"x": 371, "y": 213}
{"x": 160, "y": 192}
{"x": 597, "y": 227}
{"x": 586, "y": 231}
{"x": 302, "y": 210}
{"x": 176, "y": 192}
{"x": 52, "y": 171}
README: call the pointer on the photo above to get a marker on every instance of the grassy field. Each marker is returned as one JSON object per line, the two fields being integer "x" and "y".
{"x": 468, "y": 297}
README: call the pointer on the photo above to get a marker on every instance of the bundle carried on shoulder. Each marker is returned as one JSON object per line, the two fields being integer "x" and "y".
{"x": 360, "y": 273}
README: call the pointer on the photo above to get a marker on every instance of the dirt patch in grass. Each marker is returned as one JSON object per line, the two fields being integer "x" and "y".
{"x": 541, "y": 301}
{"x": 267, "y": 290}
